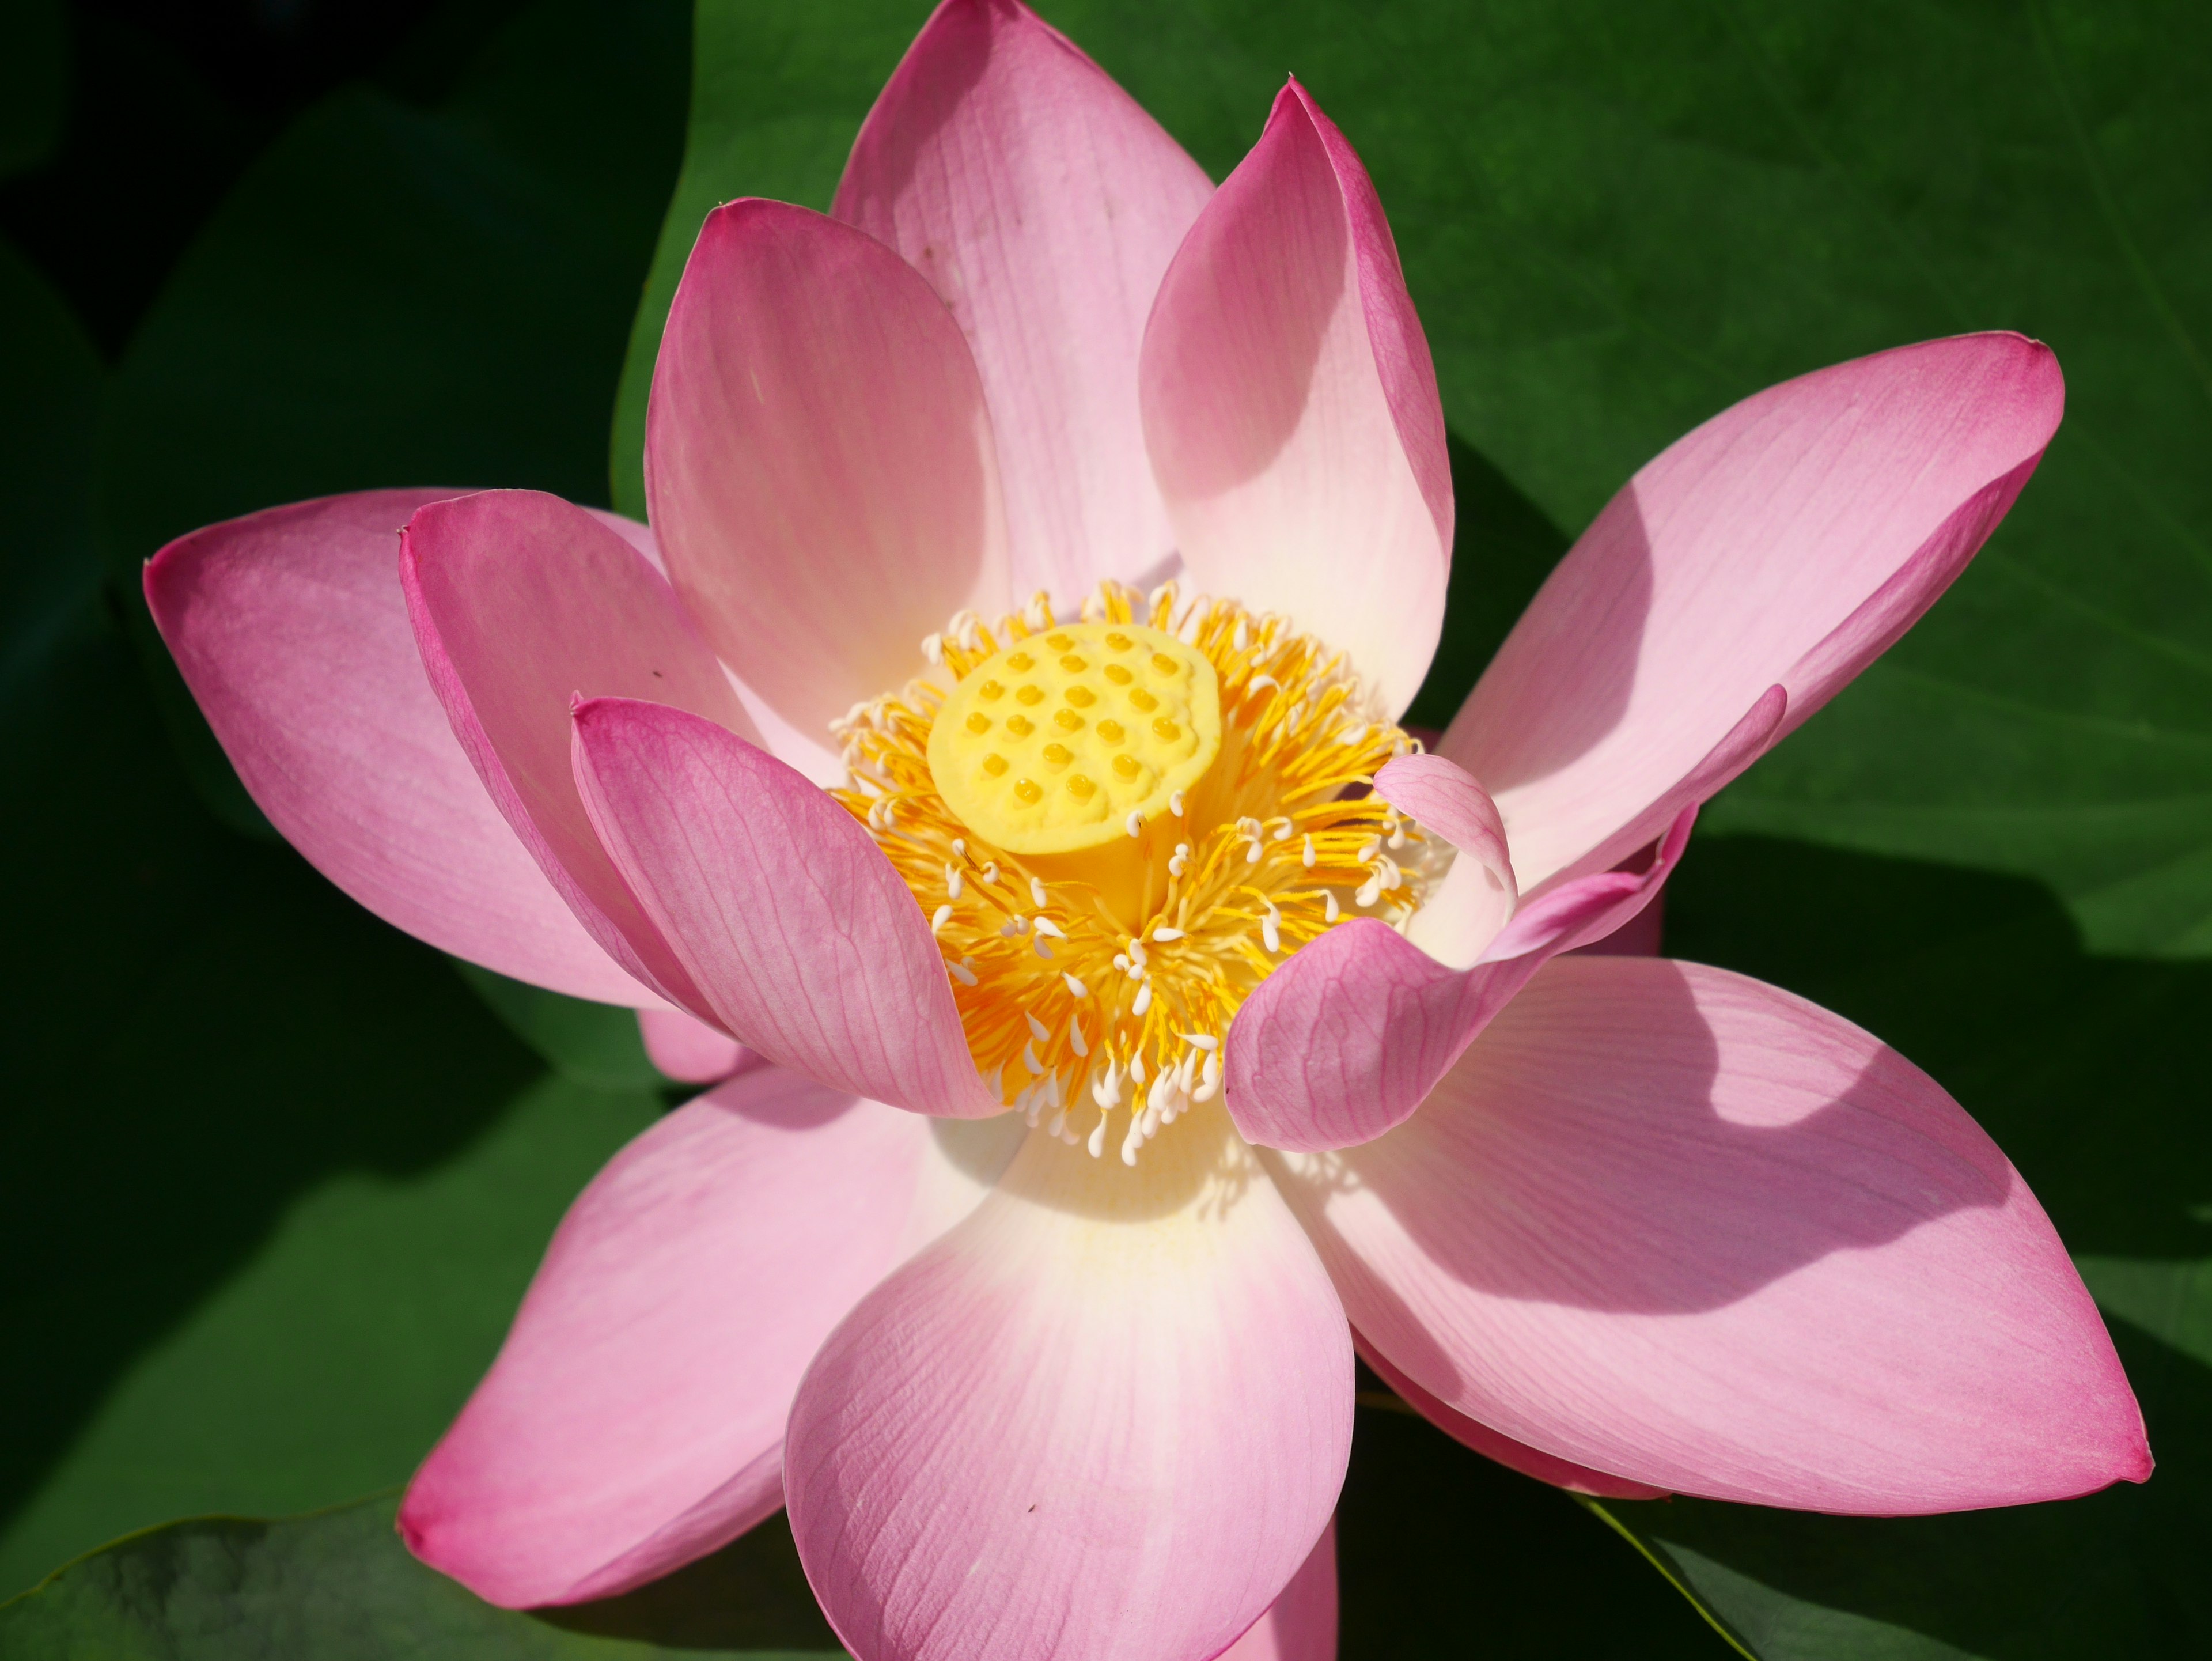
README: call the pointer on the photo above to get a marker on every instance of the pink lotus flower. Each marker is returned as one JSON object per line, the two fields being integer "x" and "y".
{"x": 1125, "y": 1064}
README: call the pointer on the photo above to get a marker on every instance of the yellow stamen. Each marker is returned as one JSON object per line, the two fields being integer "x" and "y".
{"x": 1107, "y": 887}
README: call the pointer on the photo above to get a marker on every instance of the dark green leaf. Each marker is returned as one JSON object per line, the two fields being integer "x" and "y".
{"x": 594, "y": 1044}
{"x": 1442, "y": 1552}
{"x": 33, "y": 82}
{"x": 338, "y": 1585}
{"x": 273, "y": 1182}
{"x": 395, "y": 295}
{"x": 779, "y": 88}
{"x": 49, "y": 425}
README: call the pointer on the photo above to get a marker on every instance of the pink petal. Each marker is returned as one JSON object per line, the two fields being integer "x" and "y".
{"x": 291, "y": 630}
{"x": 813, "y": 751}
{"x": 1344, "y": 1040}
{"x": 1106, "y": 1416}
{"x": 1291, "y": 406}
{"x": 1641, "y": 935}
{"x": 1666, "y": 1222}
{"x": 634, "y": 1419}
{"x": 1044, "y": 205}
{"x": 818, "y": 460}
{"x": 1464, "y": 912}
{"x": 686, "y": 1049}
{"x": 520, "y": 603}
{"x": 1514, "y": 1456}
{"x": 1789, "y": 540}
{"x": 639, "y": 535}
{"x": 1301, "y": 1624}
{"x": 802, "y": 940}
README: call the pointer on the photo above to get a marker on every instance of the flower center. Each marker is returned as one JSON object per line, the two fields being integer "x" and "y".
{"x": 1064, "y": 741}
{"x": 1119, "y": 827}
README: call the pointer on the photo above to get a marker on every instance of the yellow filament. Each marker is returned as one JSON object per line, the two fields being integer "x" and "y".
{"x": 1254, "y": 836}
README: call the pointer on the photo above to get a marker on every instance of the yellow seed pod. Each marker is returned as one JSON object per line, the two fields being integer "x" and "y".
{"x": 1123, "y": 770}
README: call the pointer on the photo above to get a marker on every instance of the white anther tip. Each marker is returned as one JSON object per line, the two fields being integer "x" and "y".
{"x": 1075, "y": 989}
{"x": 1202, "y": 1040}
{"x": 1136, "y": 824}
{"x": 1175, "y": 803}
{"x": 1163, "y": 933}
{"x": 942, "y": 916}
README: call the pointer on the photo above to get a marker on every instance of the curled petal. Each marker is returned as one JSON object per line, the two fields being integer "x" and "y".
{"x": 634, "y": 1419}
{"x": 1042, "y": 204}
{"x": 1344, "y": 1040}
{"x": 1291, "y": 406}
{"x": 292, "y": 632}
{"x": 803, "y": 942}
{"x": 1095, "y": 1419}
{"x": 1464, "y": 912}
{"x": 1670, "y": 1223}
{"x": 1789, "y": 541}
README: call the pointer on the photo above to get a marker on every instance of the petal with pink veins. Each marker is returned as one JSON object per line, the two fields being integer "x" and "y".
{"x": 1789, "y": 540}
{"x": 799, "y": 936}
{"x": 687, "y": 1049}
{"x": 818, "y": 459}
{"x": 1514, "y": 1455}
{"x": 1044, "y": 205}
{"x": 1344, "y": 1040}
{"x": 634, "y": 1418}
{"x": 1291, "y": 407}
{"x": 1666, "y": 1222}
{"x": 1107, "y": 1416}
{"x": 1301, "y": 1624}
{"x": 291, "y": 630}
{"x": 521, "y": 603}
